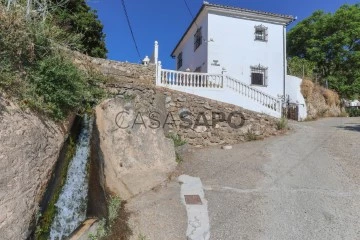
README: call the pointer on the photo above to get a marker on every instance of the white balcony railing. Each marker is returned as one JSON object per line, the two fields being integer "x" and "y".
{"x": 191, "y": 79}
{"x": 179, "y": 80}
{"x": 254, "y": 94}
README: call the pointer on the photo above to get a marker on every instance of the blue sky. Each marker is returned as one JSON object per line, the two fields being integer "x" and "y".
{"x": 166, "y": 21}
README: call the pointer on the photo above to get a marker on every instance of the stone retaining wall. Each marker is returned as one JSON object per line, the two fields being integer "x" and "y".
{"x": 238, "y": 124}
{"x": 115, "y": 69}
{"x": 147, "y": 97}
{"x": 29, "y": 148}
{"x": 137, "y": 83}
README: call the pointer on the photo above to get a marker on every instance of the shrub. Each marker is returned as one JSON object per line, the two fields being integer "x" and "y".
{"x": 282, "y": 124}
{"x": 104, "y": 227}
{"x": 177, "y": 139}
{"x": 113, "y": 208}
{"x": 178, "y": 158}
{"x": 35, "y": 72}
{"x": 353, "y": 112}
{"x": 250, "y": 136}
{"x": 57, "y": 87}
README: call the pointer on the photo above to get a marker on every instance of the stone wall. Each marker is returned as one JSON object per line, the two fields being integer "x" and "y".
{"x": 29, "y": 149}
{"x": 115, "y": 69}
{"x": 146, "y": 98}
{"x": 243, "y": 125}
{"x": 133, "y": 80}
{"x": 138, "y": 82}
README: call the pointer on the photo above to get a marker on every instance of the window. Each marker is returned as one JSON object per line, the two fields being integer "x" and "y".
{"x": 261, "y": 33}
{"x": 259, "y": 75}
{"x": 198, "y": 69}
{"x": 197, "y": 39}
{"x": 179, "y": 60}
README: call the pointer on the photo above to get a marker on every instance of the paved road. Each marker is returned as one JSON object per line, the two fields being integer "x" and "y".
{"x": 305, "y": 185}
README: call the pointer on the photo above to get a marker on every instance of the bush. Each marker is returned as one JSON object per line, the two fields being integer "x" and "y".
{"x": 57, "y": 87}
{"x": 113, "y": 208}
{"x": 282, "y": 124}
{"x": 34, "y": 71}
{"x": 177, "y": 140}
{"x": 250, "y": 136}
{"x": 104, "y": 227}
{"x": 353, "y": 112}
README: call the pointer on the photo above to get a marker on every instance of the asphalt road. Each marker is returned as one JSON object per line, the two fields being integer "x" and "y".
{"x": 304, "y": 185}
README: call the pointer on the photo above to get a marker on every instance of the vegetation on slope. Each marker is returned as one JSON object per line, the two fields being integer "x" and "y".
{"x": 34, "y": 70}
{"x": 321, "y": 102}
{"x": 77, "y": 17}
{"x": 326, "y": 47}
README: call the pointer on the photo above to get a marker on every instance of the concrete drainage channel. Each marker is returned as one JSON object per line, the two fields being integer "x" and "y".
{"x": 193, "y": 197}
{"x": 75, "y": 198}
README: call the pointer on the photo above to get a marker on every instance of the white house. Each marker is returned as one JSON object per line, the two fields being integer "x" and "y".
{"x": 233, "y": 55}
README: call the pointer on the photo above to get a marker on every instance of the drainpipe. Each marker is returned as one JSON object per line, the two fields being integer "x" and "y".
{"x": 284, "y": 61}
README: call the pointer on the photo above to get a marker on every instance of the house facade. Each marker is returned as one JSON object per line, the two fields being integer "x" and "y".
{"x": 245, "y": 44}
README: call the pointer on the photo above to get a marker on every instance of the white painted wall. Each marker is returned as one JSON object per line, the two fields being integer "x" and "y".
{"x": 231, "y": 41}
{"x": 293, "y": 89}
{"x": 192, "y": 59}
{"x": 228, "y": 96}
{"x": 236, "y": 50}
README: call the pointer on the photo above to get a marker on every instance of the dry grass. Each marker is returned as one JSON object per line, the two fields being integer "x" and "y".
{"x": 331, "y": 97}
{"x": 321, "y": 102}
{"x": 310, "y": 89}
{"x": 307, "y": 88}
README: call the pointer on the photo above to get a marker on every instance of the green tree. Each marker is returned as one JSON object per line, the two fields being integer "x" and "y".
{"x": 301, "y": 67}
{"x": 332, "y": 42}
{"x": 75, "y": 16}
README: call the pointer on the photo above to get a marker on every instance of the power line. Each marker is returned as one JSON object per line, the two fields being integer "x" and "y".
{"x": 131, "y": 30}
{"x": 191, "y": 14}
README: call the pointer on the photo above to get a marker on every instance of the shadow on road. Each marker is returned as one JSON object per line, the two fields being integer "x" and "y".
{"x": 353, "y": 127}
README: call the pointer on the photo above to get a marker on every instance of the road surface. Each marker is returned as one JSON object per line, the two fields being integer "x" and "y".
{"x": 304, "y": 185}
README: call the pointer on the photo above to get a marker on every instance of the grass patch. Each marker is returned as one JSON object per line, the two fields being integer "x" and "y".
{"x": 105, "y": 225}
{"x": 141, "y": 237}
{"x": 42, "y": 231}
{"x": 101, "y": 231}
{"x": 250, "y": 136}
{"x": 282, "y": 124}
{"x": 113, "y": 209}
{"x": 178, "y": 141}
{"x": 129, "y": 97}
{"x": 178, "y": 158}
